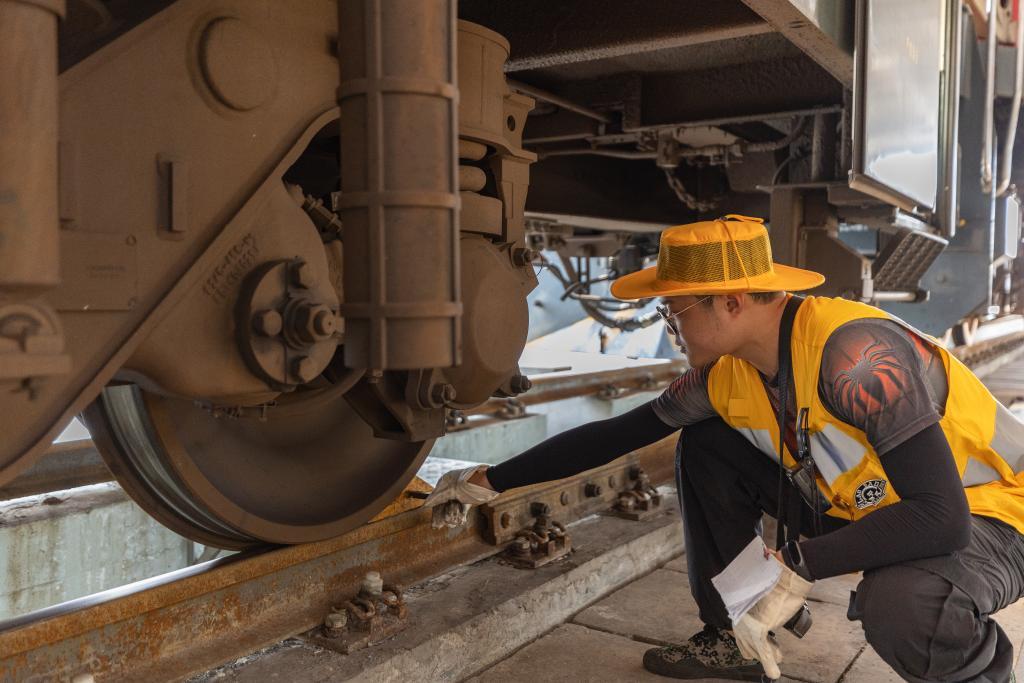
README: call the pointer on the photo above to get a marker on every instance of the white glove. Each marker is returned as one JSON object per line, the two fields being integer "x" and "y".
{"x": 770, "y": 613}
{"x": 454, "y": 496}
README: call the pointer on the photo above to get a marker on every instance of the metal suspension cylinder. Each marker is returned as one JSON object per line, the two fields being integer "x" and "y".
{"x": 399, "y": 183}
{"x": 28, "y": 146}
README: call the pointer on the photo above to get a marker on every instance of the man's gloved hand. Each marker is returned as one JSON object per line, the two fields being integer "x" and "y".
{"x": 770, "y": 613}
{"x": 454, "y": 495}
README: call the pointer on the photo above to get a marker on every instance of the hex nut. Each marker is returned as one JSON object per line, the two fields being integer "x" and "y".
{"x": 312, "y": 322}
{"x": 268, "y": 323}
{"x": 442, "y": 393}
{"x": 302, "y": 275}
{"x": 372, "y": 584}
{"x": 520, "y": 384}
{"x": 592, "y": 490}
{"x": 336, "y": 620}
{"x": 304, "y": 368}
{"x": 523, "y": 256}
{"x": 324, "y": 323}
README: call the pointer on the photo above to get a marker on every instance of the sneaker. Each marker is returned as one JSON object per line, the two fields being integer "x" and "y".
{"x": 711, "y": 653}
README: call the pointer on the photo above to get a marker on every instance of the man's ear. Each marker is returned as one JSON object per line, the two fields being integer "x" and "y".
{"x": 733, "y": 303}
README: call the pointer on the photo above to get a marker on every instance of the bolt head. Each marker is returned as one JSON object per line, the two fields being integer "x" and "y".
{"x": 313, "y": 323}
{"x": 336, "y": 620}
{"x": 564, "y": 498}
{"x": 538, "y": 509}
{"x": 302, "y": 275}
{"x": 324, "y": 323}
{"x": 268, "y": 323}
{"x": 520, "y": 384}
{"x": 523, "y": 257}
{"x": 442, "y": 393}
{"x": 305, "y": 369}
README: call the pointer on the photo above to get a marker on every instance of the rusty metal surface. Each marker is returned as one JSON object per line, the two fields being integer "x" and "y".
{"x": 191, "y": 620}
{"x": 597, "y": 490}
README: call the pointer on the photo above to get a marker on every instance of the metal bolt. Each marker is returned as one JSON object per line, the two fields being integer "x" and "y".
{"x": 538, "y": 509}
{"x": 611, "y": 481}
{"x": 442, "y": 393}
{"x": 592, "y": 490}
{"x": 268, "y": 323}
{"x": 523, "y": 256}
{"x": 302, "y": 275}
{"x": 324, "y": 323}
{"x": 312, "y": 322}
{"x": 521, "y": 546}
{"x": 336, "y": 621}
{"x": 305, "y": 369}
{"x": 564, "y": 498}
{"x": 520, "y": 384}
{"x": 506, "y": 520}
{"x": 372, "y": 584}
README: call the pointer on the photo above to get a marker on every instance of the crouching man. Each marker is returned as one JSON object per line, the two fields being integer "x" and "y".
{"x": 895, "y": 461}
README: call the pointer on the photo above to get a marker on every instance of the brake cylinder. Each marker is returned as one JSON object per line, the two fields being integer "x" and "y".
{"x": 399, "y": 183}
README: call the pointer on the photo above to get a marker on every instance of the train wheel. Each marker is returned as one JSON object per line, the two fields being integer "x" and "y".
{"x": 304, "y": 470}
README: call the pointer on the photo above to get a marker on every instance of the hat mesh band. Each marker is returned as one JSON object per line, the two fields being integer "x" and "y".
{"x": 714, "y": 261}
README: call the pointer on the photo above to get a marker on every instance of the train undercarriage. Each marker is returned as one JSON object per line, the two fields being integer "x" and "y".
{"x": 265, "y": 249}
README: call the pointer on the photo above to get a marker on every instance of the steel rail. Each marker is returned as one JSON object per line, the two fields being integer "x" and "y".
{"x": 194, "y": 619}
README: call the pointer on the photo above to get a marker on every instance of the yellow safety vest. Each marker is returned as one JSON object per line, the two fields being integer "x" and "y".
{"x": 986, "y": 439}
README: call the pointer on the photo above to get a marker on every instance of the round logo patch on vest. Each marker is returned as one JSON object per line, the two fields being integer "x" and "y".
{"x": 870, "y": 493}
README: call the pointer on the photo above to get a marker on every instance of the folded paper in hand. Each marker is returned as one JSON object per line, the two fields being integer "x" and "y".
{"x": 747, "y": 579}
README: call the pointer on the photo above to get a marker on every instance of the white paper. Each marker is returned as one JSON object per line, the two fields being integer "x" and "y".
{"x": 747, "y": 579}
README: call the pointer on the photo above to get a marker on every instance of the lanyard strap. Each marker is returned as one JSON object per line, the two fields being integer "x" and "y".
{"x": 788, "y": 525}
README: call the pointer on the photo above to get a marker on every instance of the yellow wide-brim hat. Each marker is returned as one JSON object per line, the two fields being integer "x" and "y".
{"x": 729, "y": 255}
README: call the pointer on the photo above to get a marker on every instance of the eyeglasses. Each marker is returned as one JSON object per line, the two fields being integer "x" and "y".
{"x": 669, "y": 317}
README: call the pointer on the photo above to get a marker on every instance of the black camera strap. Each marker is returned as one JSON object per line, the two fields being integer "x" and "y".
{"x": 788, "y": 525}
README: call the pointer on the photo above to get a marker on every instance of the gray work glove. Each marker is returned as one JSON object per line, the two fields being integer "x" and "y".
{"x": 454, "y": 496}
{"x": 771, "y": 613}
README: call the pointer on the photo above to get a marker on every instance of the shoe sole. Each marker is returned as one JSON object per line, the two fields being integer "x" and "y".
{"x": 691, "y": 672}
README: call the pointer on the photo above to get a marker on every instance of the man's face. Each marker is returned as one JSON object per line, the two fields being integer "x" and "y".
{"x": 700, "y": 331}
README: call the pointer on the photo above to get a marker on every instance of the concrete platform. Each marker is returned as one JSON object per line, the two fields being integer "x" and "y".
{"x": 656, "y": 609}
{"x": 589, "y": 617}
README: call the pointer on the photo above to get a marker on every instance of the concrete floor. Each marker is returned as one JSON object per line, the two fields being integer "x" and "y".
{"x": 606, "y": 641}
{"x": 588, "y": 617}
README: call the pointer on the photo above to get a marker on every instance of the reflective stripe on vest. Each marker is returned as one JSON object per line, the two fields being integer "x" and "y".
{"x": 986, "y": 439}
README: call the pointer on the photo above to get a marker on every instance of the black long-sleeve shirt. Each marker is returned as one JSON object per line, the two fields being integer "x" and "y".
{"x": 876, "y": 376}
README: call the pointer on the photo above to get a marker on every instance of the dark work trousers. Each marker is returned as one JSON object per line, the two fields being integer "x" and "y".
{"x": 928, "y": 619}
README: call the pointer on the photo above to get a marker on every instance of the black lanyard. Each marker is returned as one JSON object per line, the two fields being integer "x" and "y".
{"x": 788, "y": 525}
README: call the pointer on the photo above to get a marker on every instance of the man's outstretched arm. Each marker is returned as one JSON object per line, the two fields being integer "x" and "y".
{"x": 580, "y": 449}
